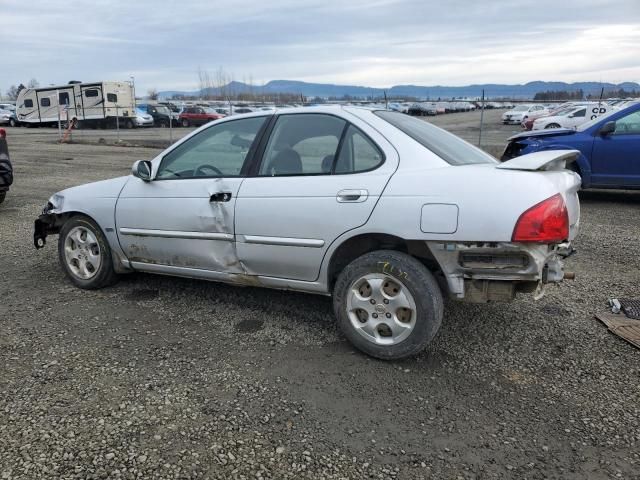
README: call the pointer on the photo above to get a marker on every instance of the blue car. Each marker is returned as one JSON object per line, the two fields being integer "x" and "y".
{"x": 609, "y": 147}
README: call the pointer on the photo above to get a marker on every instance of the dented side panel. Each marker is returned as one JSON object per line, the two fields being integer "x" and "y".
{"x": 181, "y": 223}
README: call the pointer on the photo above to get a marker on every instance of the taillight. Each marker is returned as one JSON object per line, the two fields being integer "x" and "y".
{"x": 546, "y": 222}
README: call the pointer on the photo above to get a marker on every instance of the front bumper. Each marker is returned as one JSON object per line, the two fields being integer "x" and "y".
{"x": 44, "y": 225}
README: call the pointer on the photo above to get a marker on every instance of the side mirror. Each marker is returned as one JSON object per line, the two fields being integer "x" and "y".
{"x": 607, "y": 128}
{"x": 142, "y": 170}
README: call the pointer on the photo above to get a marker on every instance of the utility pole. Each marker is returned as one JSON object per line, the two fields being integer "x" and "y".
{"x": 481, "y": 119}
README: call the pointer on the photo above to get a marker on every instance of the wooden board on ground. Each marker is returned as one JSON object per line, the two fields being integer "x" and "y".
{"x": 622, "y": 326}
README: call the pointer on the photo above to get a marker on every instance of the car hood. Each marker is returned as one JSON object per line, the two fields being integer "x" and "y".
{"x": 552, "y": 132}
{"x": 82, "y": 193}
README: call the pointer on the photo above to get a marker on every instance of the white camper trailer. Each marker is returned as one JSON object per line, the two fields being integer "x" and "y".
{"x": 96, "y": 104}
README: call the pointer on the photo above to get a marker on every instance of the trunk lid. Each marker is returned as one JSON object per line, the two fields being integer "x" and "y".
{"x": 545, "y": 160}
{"x": 551, "y": 132}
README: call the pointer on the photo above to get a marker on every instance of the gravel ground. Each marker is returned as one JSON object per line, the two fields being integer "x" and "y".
{"x": 159, "y": 377}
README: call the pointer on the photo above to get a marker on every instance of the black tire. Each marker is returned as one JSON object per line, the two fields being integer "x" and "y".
{"x": 416, "y": 278}
{"x": 552, "y": 125}
{"x": 105, "y": 274}
{"x": 185, "y": 123}
{"x": 129, "y": 124}
{"x": 3, "y": 195}
{"x": 13, "y": 122}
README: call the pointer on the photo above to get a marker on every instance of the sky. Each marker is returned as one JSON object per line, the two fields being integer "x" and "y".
{"x": 377, "y": 43}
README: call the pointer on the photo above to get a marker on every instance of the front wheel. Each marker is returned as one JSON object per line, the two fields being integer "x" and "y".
{"x": 185, "y": 123}
{"x": 388, "y": 304}
{"x": 84, "y": 254}
{"x": 552, "y": 125}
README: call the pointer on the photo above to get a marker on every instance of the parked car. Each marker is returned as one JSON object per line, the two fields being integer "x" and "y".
{"x": 143, "y": 119}
{"x": 193, "y": 116}
{"x": 385, "y": 212}
{"x": 5, "y": 117}
{"x": 608, "y": 147}
{"x": 521, "y": 112}
{"x": 161, "y": 115}
{"x": 6, "y": 169}
{"x": 422, "y": 109}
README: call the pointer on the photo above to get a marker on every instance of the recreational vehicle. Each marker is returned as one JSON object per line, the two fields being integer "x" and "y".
{"x": 96, "y": 104}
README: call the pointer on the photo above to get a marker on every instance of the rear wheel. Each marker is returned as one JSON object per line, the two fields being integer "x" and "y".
{"x": 552, "y": 125}
{"x": 84, "y": 254}
{"x": 388, "y": 304}
{"x": 13, "y": 122}
{"x": 129, "y": 124}
{"x": 185, "y": 123}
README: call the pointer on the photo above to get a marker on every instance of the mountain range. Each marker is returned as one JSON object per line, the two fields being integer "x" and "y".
{"x": 492, "y": 90}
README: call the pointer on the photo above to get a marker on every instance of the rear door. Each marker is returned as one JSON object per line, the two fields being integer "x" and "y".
{"x": 616, "y": 157}
{"x": 318, "y": 177}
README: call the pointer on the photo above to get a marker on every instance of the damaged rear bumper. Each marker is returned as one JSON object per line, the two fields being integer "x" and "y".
{"x": 496, "y": 271}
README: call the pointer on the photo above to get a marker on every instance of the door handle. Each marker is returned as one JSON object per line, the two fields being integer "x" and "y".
{"x": 220, "y": 197}
{"x": 352, "y": 196}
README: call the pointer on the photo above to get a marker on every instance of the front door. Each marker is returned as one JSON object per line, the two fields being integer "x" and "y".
{"x": 319, "y": 177}
{"x": 184, "y": 217}
{"x": 92, "y": 101}
{"x": 66, "y": 104}
{"x": 616, "y": 157}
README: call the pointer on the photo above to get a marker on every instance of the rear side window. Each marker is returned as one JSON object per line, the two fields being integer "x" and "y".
{"x": 45, "y": 102}
{"x": 302, "y": 144}
{"x": 358, "y": 153}
{"x": 28, "y": 103}
{"x": 580, "y": 113}
{"x": 448, "y": 147}
{"x": 112, "y": 97}
{"x": 91, "y": 93}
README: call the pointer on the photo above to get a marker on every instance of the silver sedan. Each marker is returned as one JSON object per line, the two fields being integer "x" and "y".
{"x": 386, "y": 213}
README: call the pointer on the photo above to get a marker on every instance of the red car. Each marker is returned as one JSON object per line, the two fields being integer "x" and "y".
{"x": 197, "y": 116}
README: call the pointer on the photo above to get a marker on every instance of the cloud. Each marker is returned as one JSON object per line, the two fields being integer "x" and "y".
{"x": 374, "y": 43}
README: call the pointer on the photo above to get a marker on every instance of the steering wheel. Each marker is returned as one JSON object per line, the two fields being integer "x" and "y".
{"x": 199, "y": 171}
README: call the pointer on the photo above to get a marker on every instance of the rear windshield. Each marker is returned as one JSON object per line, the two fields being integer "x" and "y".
{"x": 450, "y": 148}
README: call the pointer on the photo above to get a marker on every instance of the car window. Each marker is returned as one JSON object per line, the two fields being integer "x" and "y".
{"x": 580, "y": 113}
{"x": 449, "y": 147}
{"x": 357, "y": 153}
{"x": 218, "y": 151}
{"x": 628, "y": 125}
{"x": 302, "y": 144}
{"x": 112, "y": 97}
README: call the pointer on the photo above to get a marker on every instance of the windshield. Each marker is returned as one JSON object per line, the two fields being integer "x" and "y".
{"x": 163, "y": 109}
{"x": 521, "y": 108}
{"x": 449, "y": 147}
{"x": 591, "y": 123}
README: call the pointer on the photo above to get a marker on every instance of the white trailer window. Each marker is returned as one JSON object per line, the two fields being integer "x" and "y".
{"x": 45, "y": 102}
{"x": 28, "y": 103}
{"x": 91, "y": 93}
{"x": 112, "y": 97}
